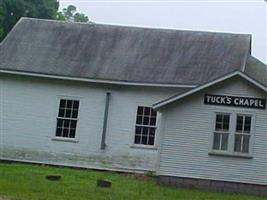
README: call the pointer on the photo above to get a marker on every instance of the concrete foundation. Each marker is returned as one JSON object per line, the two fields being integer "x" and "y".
{"x": 213, "y": 185}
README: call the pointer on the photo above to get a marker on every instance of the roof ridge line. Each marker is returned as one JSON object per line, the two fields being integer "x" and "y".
{"x": 135, "y": 27}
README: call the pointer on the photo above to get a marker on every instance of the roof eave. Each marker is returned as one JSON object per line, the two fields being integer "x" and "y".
{"x": 101, "y": 81}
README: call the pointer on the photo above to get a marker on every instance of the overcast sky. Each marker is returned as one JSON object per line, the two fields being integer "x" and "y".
{"x": 236, "y": 16}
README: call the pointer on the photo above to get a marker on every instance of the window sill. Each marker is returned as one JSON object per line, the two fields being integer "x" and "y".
{"x": 236, "y": 155}
{"x": 73, "y": 140}
{"x": 147, "y": 147}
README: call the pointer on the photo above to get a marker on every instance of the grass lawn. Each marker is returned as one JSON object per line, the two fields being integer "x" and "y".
{"x": 27, "y": 182}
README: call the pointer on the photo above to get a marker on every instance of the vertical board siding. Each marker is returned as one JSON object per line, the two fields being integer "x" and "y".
{"x": 29, "y": 107}
{"x": 187, "y": 136}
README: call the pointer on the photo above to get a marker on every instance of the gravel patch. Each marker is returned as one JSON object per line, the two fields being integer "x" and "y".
{"x": 2, "y": 198}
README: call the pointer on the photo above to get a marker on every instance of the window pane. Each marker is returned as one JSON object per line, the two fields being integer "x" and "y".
{"x": 239, "y": 123}
{"x": 145, "y": 131}
{"x": 74, "y": 114}
{"x": 226, "y": 126}
{"x": 76, "y": 105}
{"x": 219, "y": 118}
{"x": 219, "y": 126}
{"x": 216, "y": 141}
{"x": 222, "y": 122}
{"x": 139, "y": 120}
{"x": 66, "y": 123}
{"x": 152, "y": 131}
{"x": 59, "y": 122}
{"x": 69, "y": 104}
{"x": 147, "y": 111}
{"x": 245, "y": 148}
{"x": 140, "y": 110}
{"x": 238, "y": 140}
{"x": 137, "y": 139}
{"x": 67, "y": 113}
{"x": 224, "y": 144}
{"x": 144, "y": 139}
{"x": 65, "y": 132}
{"x": 62, "y": 103}
{"x": 138, "y": 130}
{"x": 226, "y": 119}
{"x": 153, "y": 121}
{"x": 72, "y": 133}
{"x": 153, "y": 113}
{"x": 61, "y": 112}
{"x": 58, "y": 131}
{"x": 73, "y": 124}
{"x": 151, "y": 140}
{"x": 247, "y": 127}
{"x": 146, "y": 120}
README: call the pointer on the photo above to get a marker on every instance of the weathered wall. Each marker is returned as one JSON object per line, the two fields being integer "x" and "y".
{"x": 29, "y": 108}
{"x": 187, "y": 135}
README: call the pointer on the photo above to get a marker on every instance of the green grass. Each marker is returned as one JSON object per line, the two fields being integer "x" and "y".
{"x": 27, "y": 182}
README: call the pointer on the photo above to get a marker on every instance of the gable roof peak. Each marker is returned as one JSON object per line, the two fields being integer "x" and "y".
{"x": 177, "y": 97}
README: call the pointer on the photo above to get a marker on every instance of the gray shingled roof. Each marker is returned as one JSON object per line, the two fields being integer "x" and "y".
{"x": 120, "y": 53}
{"x": 257, "y": 70}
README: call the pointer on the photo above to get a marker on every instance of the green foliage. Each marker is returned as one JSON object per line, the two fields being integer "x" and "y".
{"x": 70, "y": 14}
{"x": 27, "y": 182}
{"x": 12, "y": 10}
{"x": 1, "y": 21}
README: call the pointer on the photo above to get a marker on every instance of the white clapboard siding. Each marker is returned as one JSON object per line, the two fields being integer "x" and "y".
{"x": 29, "y": 107}
{"x": 187, "y": 136}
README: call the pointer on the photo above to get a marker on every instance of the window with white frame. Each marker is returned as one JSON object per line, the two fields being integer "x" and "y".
{"x": 233, "y": 133}
{"x": 221, "y": 134}
{"x": 242, "y": 133}
{"x": 67, "y": 118}
{"x": 145, "y": 128}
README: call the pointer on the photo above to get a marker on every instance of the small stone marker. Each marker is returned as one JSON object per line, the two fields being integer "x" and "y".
{"x": 53, "y": 177}
{"x": 103, "y": 183}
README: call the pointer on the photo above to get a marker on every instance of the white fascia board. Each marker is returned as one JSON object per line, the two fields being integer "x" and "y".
{"x": 96, "y": 80}
{"x": 253, "y": 81}
{"x": 236, "y": 73}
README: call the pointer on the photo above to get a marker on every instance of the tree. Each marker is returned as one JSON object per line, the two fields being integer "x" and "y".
{"x": 12, "y": 10}
{"x": 70, "y": 14}
{"x": 1, "y": 20}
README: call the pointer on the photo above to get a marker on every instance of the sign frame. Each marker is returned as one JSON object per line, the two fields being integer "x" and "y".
{"x": 235, "y": 101}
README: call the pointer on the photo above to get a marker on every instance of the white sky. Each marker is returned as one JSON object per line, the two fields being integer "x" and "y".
{"x": 236, "y": 16}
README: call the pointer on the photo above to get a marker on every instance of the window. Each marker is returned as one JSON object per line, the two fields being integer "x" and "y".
{"x": 232, "y": 134}
{"x": 67, "y": 118}
{"x": 145, "y": 127}
{"x": 242, "y": 133}
{"x": 221, "y": 134}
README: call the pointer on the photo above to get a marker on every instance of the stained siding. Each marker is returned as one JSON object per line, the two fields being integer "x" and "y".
{"x": 188, "y": 132}
{"x": 29, "y": 108}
